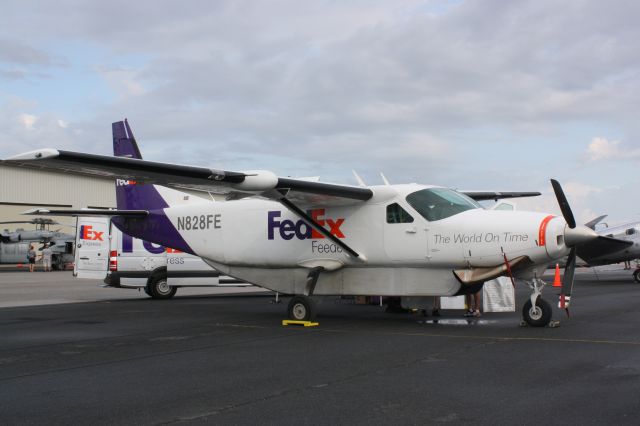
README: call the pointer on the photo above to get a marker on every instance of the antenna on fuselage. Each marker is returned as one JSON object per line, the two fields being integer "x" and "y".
{"x": 384, "y": 179}
{"x": 358, "y": 178}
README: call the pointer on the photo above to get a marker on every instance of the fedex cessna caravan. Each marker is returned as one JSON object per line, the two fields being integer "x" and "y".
{"x": 307, "y": 238}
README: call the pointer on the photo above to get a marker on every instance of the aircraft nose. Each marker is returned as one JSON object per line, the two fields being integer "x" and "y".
{"x": 578, "y": 235}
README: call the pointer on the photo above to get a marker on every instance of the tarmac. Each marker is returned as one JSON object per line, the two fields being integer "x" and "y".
{"x": 118, "y": 357}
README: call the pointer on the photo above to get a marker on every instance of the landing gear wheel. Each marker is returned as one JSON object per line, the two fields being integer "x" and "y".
{"x": 636, "y": 275}
{"x": 301, "y": 308}
{"x": 539, "y": 315}
{"x": 158, "y": 288}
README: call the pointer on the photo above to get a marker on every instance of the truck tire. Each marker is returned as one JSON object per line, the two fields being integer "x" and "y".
{"x": 159, "y": 289}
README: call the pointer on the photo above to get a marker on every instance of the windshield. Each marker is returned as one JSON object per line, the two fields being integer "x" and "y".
{"x": 440, "y": 203}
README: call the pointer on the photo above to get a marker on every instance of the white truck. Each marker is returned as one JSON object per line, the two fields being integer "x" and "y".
{"x": 103, "y": 251}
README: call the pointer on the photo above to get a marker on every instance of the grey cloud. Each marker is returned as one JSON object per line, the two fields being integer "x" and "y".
{"x": 15, "y": 51}
{"x": 359, "y": 84}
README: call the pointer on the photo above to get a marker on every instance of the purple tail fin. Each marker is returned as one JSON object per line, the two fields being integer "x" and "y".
{"x": 131, "y": 195}
{"x": 124, "y": 144}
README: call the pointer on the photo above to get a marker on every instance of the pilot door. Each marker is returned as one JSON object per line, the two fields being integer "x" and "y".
{"x": 405, "y": 236}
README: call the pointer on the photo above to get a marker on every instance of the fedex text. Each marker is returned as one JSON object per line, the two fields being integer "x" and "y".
{"x": 88, "y": 233}
{"x": 288, "y": 229}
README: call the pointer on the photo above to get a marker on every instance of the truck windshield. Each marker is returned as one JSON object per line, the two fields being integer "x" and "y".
{"x": 440, "y": 203}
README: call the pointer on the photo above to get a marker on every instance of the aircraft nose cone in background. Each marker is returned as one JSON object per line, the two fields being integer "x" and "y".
{"x": 578, "y": 235}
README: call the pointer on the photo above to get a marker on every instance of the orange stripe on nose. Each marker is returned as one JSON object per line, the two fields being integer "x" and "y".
{"x": 542, "y": 241}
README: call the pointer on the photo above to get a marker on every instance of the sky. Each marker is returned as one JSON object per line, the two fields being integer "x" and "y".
{"x": 468, "y": 94}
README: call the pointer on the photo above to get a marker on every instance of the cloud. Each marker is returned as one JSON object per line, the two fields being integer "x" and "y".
{"x": 125, "y": 82}
{"x": 602, "y": 149}
{"x": 468, "y": 94}
{"x": 27, "y": 120}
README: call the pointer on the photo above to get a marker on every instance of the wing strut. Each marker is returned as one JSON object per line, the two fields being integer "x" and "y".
{"x": 315, "y": 225}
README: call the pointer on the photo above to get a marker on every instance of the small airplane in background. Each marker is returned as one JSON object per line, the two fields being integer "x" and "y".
{"x": 14, "y": 245}
{"x": 598, "y": 253}
{"x": 306, "y": 238}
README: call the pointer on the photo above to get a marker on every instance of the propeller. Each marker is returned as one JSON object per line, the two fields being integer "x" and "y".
{"x": 564, "y": 204}
{"x": 573, "y": 236}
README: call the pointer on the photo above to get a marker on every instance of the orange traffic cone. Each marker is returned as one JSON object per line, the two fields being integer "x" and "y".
{"x": 556, "y": 278}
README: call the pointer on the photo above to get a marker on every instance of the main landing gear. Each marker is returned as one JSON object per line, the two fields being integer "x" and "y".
{"x": 303, "y": 308}
{"x": 536, "y": 311}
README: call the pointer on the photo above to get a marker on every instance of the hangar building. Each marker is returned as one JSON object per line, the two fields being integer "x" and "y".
{"x": 23, "y": 189}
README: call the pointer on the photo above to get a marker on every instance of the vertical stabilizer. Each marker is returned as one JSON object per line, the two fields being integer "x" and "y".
{"x": 129, "y": 194}
{"x": 132, "y": 195}
{"x": 124, "y": 144}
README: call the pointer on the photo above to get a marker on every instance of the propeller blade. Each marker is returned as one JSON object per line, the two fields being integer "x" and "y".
{"x": 567, "y": 279}
{"x": 564, "y": 204}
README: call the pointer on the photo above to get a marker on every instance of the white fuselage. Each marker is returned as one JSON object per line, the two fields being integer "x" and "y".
{"x": 262, "y": 242}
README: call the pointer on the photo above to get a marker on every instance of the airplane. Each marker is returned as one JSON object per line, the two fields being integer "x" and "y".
{"x": 594, "y": 254}
{"x": 14, "y": 245}
{"x": 309, "y": 238}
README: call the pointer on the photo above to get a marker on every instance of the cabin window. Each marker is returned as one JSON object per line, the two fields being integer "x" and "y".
{"x": 630, "y": 231}
{"x": 396, "y": 214}
{"x": 440, "y": 203}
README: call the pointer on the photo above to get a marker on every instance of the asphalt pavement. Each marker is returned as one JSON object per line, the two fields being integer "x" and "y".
{"x": 220, "y": 359}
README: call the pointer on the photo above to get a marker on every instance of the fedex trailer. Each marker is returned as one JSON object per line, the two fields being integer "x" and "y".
{"x": 105, "y": 252}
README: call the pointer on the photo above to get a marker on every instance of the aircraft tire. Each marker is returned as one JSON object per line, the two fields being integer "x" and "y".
{"x": 159, "y": 289}
{"x": 301, "y": 308}
{"x": 636, "y": 275}
{"x": 538, "y": 317}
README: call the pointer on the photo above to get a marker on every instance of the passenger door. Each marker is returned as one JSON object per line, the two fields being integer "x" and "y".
{"x": 405, "y": 236}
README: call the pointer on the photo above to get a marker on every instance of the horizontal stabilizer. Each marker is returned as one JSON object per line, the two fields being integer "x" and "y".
{"x": 592, "y": 223}
{"x": 87, "y": 212}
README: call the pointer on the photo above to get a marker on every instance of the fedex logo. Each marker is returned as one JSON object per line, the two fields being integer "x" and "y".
{"x": 299, "y": 229}
{"x": 123, "y": 182}
{"x": 87, "y": 233}
{"x": 127, "y": 246}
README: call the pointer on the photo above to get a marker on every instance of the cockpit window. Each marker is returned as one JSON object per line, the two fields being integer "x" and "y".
{"x": 630, "y": 231}
{"x": 396, "y": 214}
{"x": 440, "y": 203}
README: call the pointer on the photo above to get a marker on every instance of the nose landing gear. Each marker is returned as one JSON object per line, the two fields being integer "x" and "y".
{"x": 536, "y": 311}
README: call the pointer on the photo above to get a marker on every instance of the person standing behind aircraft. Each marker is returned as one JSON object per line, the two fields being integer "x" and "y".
{"x": 473, "y": 304}
{"x": 46, "y": 258}
{"x": 31, "y": 257}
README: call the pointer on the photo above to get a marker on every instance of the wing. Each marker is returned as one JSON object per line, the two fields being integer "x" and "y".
{"x": 495, "y": 195}
{"x": 603, "y": 249}
{"x": 233, "y": 184}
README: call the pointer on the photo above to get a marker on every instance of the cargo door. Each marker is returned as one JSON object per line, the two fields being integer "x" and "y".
{"x": 92, "y": 247}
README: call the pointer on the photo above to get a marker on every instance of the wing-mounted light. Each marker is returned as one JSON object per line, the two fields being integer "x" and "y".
{"x": 257, "y": 181}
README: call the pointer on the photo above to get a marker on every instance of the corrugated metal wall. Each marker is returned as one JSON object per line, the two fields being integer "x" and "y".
{"x": 28, "y": 186}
